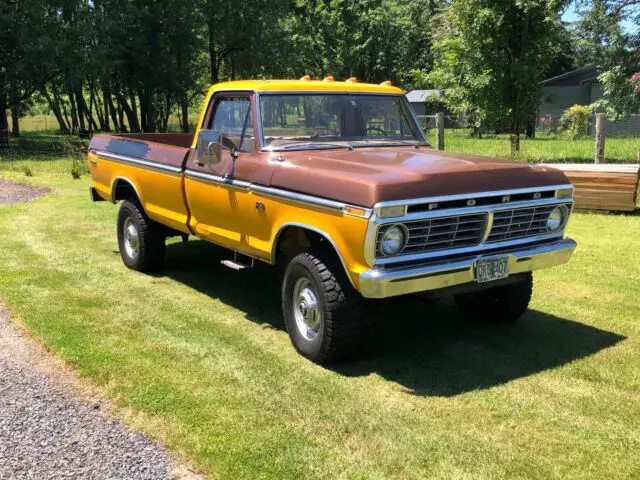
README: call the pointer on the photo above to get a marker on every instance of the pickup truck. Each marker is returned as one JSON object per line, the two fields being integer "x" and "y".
{"x": 335, "y": 184}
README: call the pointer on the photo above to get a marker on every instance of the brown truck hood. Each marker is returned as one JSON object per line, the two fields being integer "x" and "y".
{"x": 366, "y": 176}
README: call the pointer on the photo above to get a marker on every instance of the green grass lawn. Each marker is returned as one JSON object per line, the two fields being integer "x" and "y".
{"x": 199, "y": 357}
{"x": 48, "y": 123}
{"x": 543, "y": 148}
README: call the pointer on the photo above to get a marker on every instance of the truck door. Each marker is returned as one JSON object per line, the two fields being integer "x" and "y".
{"x": 221, "y": 205}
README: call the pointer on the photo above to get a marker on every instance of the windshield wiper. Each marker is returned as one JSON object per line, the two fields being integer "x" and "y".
{"x": 289, "y": 146}
{"x": 391, "y": 143}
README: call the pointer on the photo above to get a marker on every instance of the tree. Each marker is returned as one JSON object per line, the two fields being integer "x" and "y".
{"x": 621, "y": 93}
{"x": 26, "y": 44}
{"x": 491, "y": 57}
{"x": 598, "y": 34}
{"x": 373, "y": 40}
{"x": 603, "y": 42}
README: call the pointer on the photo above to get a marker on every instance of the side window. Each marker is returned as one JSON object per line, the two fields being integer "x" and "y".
{"x": 232, "y": 117}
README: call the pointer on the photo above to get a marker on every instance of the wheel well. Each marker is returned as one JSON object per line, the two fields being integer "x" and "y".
{"x": 124, "y": 190}
{"x": 294, "y": 239}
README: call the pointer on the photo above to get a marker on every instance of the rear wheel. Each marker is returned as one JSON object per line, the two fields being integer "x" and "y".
{"x": 504, "y": 304}
{"x": 319, "y": 307}
{"x": 141, "y": 240}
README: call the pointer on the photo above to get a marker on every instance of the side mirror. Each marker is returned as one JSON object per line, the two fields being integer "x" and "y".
{"x": 210, "y": 146}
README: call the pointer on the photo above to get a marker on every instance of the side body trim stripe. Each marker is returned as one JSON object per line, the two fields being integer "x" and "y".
{"x": 115, "y": 157}
{"x": 294, "y": 197}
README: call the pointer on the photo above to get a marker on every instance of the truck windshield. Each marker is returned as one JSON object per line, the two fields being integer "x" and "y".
{"x": 341, "y": 120}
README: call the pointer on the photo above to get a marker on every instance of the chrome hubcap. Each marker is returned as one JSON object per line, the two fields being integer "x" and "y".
{"x": 131, "y": 239}
{"x": 306, "y": 310}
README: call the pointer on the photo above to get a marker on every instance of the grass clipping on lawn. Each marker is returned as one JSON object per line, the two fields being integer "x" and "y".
{"x": 201, "y": 352}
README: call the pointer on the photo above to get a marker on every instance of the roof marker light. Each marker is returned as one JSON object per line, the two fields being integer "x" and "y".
{"x": 386, "y": 83}
{"x": 329, "y": 78}
{"x": 351, "y": 80}
{"x": 306, "y": 78}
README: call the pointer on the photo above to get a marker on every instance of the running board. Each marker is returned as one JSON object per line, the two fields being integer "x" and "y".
{"x": 235, "y": 264}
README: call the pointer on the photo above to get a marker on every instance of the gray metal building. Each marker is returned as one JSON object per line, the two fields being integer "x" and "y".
{"x": 580, "y": 87}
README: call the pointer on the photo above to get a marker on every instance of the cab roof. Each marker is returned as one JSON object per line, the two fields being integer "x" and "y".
{"x": 305, "y": 85}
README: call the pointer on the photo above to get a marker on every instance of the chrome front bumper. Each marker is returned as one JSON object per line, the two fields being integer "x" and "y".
{"x": 383, "y": 283}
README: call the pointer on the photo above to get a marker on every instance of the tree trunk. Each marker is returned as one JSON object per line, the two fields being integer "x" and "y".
{"x": 4, "y": 125}
{"x": 150, "y": 110}
{"x": 185, "y": 114}
{"x": 15, "y": 123}
{"x": 134, "y": 126}
{"x": 93, "y": 102}
{"x": 213, "y": 57}
{"x": 55, "y": 108}
{"x": 515, "y": 143}
{"x": 113, "y": 112}
{"x": 74, "y": 111}
{"x": 88, "y": 114}
{"x": 142, "y": 125}
{"x": 123, "y": 128}
{"x": 81, "y": 107}
{"x": 105, "y": 101}
{"x": 143, "y": 110}
{"x": 64, "y": 113}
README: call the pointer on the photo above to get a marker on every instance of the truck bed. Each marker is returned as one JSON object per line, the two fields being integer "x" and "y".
{"x": 151, "y": 164}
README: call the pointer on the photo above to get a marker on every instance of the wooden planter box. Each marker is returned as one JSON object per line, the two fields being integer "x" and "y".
{"x": 603, "y": 186}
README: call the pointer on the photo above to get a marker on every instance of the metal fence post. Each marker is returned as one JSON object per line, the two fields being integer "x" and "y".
{"x": 599, "y": 138}
{"x": 440, "y": 130}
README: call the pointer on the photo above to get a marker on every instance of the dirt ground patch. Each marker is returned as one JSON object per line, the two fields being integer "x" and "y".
{"x": 14, "y": 192}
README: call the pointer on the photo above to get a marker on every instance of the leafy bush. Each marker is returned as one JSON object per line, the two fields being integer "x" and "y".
{"x": 575, "y": 121}
{"x": 78, "y": 169}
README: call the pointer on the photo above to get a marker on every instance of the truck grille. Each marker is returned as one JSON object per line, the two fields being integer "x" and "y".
{"x": 519, "y": 223}
{"x": 441, "y": 233}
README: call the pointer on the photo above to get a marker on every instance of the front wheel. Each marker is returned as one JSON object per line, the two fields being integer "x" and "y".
{"x": 319, "y": 307}
{"x": 141, "y": 240}
{"x": 504, "y": 304}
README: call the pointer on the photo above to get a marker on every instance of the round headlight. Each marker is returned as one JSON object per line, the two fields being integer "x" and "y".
{"x": 393, "y": 240}
{"x": 557, "y": 218}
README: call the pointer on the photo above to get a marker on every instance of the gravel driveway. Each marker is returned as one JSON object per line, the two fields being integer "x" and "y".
{"x": 14, "y": 192}
{"x": 47, "y": 432}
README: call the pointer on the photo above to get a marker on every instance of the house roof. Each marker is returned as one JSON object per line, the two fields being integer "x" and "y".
{"x": 420, "y": 96}
{"x": 579, "y": 76}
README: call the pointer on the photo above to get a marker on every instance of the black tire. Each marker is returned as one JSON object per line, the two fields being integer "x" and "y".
{"x": 150, "y": 239}
{"x": 339, "y": 324}
{"x": 499, "y": 305}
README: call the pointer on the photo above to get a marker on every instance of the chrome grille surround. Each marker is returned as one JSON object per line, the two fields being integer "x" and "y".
{"x": 492, "y": 225}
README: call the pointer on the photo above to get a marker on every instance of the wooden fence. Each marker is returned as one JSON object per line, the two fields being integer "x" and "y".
{"x": 603, "y": 187}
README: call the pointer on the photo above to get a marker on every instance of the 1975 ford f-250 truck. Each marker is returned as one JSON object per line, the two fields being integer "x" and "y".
{"x": 336, "y": 184}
